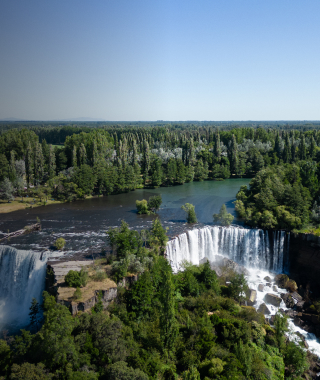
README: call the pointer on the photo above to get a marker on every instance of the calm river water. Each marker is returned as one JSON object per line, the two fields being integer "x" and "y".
{"x": 83, "y": 224}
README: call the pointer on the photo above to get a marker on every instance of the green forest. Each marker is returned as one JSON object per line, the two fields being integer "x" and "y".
{"x": 164, "y": 326}
{"x": 65, "y": 163}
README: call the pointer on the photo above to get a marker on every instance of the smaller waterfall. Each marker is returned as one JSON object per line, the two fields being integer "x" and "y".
{"x": 22, "y": 277}
{"x": 253, "y": 248}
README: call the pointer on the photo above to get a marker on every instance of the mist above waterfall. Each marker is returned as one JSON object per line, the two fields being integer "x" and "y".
{"x": 22, "y": 277}
{"x": 253, "y": 248}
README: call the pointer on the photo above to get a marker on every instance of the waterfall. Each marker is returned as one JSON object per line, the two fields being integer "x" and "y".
{"x": 253, "y": 248}
{"x": 22, "y": 277}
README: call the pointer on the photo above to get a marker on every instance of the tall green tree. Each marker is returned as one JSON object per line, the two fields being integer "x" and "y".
{"x": 191, "y": 214}
{"x": 82, "y": 155}
{"x": 38, "y": 164}
{"x": 234, "y": 156}
{"x": 286, "y": 156}
{"x": 51, "y": 162}
{"x": 29, "y": 165}
{"x": 168, "y": 323}
{"x": 302, "y": 148}
{"x": 217, "y": 147}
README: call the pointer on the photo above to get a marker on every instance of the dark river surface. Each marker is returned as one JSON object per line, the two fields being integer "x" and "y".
{"x": 83, "y": 224}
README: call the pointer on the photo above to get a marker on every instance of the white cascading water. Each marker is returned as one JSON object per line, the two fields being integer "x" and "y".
{"x": 262, "y": 254}
{"x": 22, "y": 277}
{"x": 249, "y": 247}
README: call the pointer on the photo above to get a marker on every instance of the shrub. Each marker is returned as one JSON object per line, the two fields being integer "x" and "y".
{"x": 224, "y": 218}
{"x": 76, "y": 279}
{"x": 77, "y": 294}
{"x": 154, "y": 203}
{"x": 142, "y": 207}
{"x": 191, "y": 214}
{"x": 60, "y": 243}
{"x": 99, "y": 275}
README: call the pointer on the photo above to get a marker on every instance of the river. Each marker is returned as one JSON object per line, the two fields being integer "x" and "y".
{"x": 83, "y": 224}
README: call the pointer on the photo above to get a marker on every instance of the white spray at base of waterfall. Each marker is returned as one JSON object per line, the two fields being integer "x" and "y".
{"x": 22, "y": 277}
{"x": 249, "y": 247}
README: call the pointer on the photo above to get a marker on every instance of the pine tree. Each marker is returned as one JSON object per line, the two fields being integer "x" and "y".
{"x": 74, "y": 157}
{"x": 6, "y": 190}
{"x": 12, "y": 167}
{"x": 302, "y": 148}
{"x": 217, "y": 147}
{"x": 293, "y": 151}
{"x": 277, "y": 146}
{"x": 95, "y": 153}
{"x": 191, "y": 153}
{"x": 82, "y": 154}
{"x": 29, "y": 165}
{"x": 4, "y": 167}
{"x": 51, "y": 162}
{"x": 38, "y": 164}
{"x": 286, "y": 156}
{"x": 34, "y": 314}
{"x": 171, "y": 171}
{"x": 234, "y": 156}
{"x": 312, "y": 148}
{"x": 181, "y": 173}
{"x": 168, "y": 324}
{"x": 157, "y": 173}
{"x": 146, "y": 162}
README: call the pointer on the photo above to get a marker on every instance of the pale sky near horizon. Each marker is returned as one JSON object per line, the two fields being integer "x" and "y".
{"x": 160, "y": 59}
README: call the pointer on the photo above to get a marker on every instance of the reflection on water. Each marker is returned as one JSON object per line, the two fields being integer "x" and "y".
{"x": 83, "y": 223}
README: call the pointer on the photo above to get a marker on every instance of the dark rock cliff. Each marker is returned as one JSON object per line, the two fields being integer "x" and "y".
{"x": 304, "y": 261}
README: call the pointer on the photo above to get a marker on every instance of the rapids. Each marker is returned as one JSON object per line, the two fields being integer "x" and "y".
{"x": 263, "y": 254}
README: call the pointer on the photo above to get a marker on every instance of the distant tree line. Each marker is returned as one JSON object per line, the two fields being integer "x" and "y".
{"x": 115, "y": 159}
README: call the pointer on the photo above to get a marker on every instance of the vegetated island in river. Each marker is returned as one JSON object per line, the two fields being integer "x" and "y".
{"x": 50, "y": 163}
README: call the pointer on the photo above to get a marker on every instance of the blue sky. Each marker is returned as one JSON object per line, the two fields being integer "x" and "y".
{"x": 168, "y": 60}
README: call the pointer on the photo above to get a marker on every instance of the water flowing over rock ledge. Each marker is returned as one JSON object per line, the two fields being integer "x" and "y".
{"x": 262, "y": 253}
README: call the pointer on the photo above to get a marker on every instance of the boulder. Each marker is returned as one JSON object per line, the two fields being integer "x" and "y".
{"x": 281, "y": 280}
{"x": 268, "y": 279}
{"x": 268, "y": 284}
{"x": 288, "y": 300}
{"x": 252, "y": 296}
{"x": 260, "y": 287}
{"x": 291, "y": 285}
{"x": 263, "y": 309}
{"x": 275, "y": 288}
{"x": 296, "y": 296}
{"x": 272, "y": 299}
{"x": 300, "y": 305}
{"x": 298, "y": 322}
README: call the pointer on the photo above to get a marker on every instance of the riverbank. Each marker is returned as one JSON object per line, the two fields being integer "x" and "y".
{"x": 18, "y": 204}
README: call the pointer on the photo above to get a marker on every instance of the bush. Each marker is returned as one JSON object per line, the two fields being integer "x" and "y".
{"x": 99, "y": 275}
{"x": 191, "y": 214}
{"x": 60, "y": 243}
{"x": 76, "y": 279}
{"x": 142, "y": 207}
{"x": 154, "y": 203}
{"x": 224, "y": 218}
{"x": 77, "y": 294}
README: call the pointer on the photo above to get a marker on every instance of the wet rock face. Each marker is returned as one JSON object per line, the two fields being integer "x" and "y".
{"x": 264, "y": 309}
{"x": 281, "y": 280}
{"x": 268, "y": 279}
{"x": 261, "y": 287}
{"x": 288, "y": 300}
{"x": 252, "y": 296}
{"x": 272, "y": 299}
{"x": 275, "y": 288}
